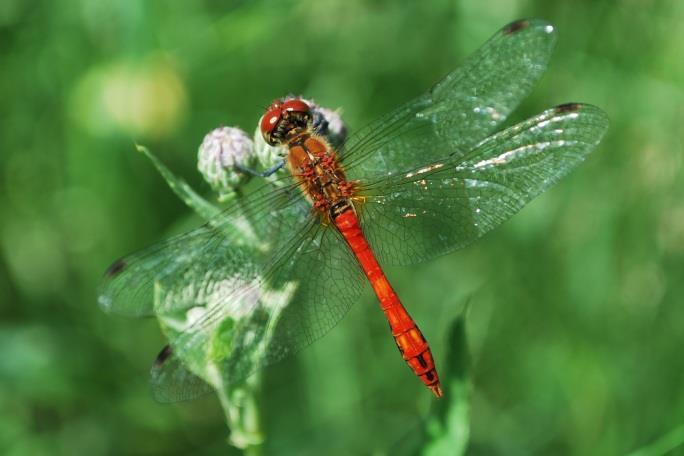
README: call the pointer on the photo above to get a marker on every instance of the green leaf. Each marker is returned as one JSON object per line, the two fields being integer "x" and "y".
{"x": 448, "y": 427}
{"x": 664, "y": 445}
{"x": 182, "y": 189}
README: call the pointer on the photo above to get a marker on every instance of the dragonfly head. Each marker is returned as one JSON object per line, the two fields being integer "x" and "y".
{"x": 285, "y": 119}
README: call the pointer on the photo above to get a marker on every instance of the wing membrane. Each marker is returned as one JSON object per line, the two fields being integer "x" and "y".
{"x": 303, "y": 294}
{"x": 461, "y": 110}
{"x": 171, "y": 381}
{"x": 226, "y": 300}
{"x": 128, "y": 287}
{"x": 330, "y": 282}
{"x": 449, "y": 204}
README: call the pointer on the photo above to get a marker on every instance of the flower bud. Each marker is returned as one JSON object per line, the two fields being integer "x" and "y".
{"x": 329, "y": 124}
{"x": 220, "y": 152}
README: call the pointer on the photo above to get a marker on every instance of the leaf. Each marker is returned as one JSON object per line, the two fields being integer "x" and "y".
{"x": 182, "y": 189}
{"x": 448, "y": 428}
{"x": 664, "y": 445}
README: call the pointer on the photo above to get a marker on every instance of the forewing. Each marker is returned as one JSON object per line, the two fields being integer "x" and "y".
{"x": 448, "y": 204}
{"x": 128, "y": 287}
{"x": 461, "y": 110}
{"x": 215, "y": 286}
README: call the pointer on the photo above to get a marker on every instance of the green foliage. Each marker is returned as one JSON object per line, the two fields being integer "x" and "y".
{"x": 667, "y": 444}
{"x": 575, "y": 322}
{"x": 449, "y": 425}
{"x": 185, "y": 192}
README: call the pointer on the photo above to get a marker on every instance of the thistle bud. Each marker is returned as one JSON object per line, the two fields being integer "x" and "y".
{"x": 224, "y": 150}
{"x": 329, "y": 123}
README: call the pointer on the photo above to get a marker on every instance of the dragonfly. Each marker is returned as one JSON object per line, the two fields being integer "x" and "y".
{"x": 426, "y": 179}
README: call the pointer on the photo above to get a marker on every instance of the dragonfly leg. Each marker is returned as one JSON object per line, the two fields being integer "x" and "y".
{"x": 270, "y": 171}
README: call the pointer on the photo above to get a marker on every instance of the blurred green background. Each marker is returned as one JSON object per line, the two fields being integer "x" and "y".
{"x": 575, "y": 324}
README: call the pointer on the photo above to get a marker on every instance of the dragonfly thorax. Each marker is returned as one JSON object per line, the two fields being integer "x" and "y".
{"x": 314, "y": 163}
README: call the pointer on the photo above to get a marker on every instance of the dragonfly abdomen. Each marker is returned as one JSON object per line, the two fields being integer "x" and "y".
{"x": 410, "y": 341}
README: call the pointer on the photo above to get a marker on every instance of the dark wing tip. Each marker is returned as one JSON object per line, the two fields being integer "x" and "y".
{"x": 594, "y": 117}
{"x": 163, "y": 355}
{"x": 115, "y": 268}
{"x": 516, "y": 26}
{"x": 523, "y": 24}
{"x": 568, "y": 107}
{"x": 598, "y": 115}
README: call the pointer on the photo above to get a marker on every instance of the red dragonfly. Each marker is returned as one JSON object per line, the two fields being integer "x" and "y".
{"x": 426, "y": 179}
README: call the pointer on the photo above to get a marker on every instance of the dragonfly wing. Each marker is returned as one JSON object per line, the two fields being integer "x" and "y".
{"x": 128, "y": 287}
{"x": 330, "y": 282}
{"x": 219, "y": 289}
{"x": 448, "y": 204}
{"x": 220, "y": 305}
{"x": 461, "y": 110}
{"x": 235, "y": 304}
{"x": 307, "y": 289}
{"x": 171, "y": 381}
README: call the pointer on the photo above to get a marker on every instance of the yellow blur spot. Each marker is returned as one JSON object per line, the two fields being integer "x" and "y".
{"x": 144, "y": 98}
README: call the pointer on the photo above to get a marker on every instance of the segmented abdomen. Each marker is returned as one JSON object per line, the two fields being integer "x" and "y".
{"x": 410, "y": 341}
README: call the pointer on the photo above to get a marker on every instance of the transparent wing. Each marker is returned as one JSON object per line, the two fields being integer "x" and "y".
{"x": 248, "y": 322}
{"x": 128, "y": 287}
{"x": 461, "y": 110}
{"x": 171, "y": 381}
{"x": 329, "y": 283}
{"x": 263, "y": 281}
{"x": 448, "y": 204}
{"x": 220, "y": 304}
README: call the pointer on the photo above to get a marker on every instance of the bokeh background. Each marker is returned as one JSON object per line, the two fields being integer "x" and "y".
{"x": 574, "y": 321}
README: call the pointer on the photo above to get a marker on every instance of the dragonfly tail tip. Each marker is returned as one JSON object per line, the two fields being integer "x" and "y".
{"x": 436, "y": 390}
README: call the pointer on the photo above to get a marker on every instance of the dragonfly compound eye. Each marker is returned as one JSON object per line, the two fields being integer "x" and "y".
{"x": 296, "y": 106}
{"x": 285, "y": 120}
{"x": 269, "y": 123}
